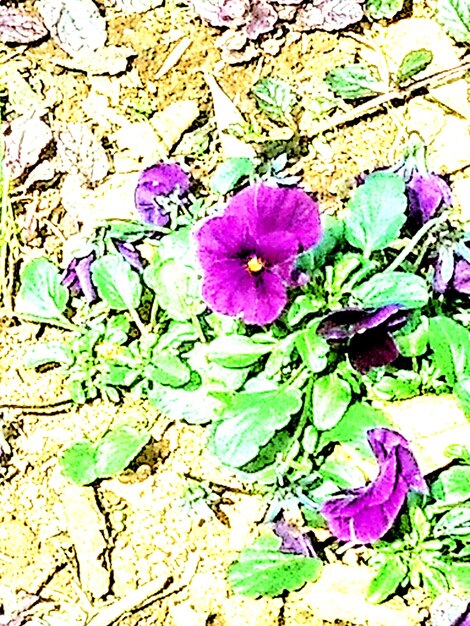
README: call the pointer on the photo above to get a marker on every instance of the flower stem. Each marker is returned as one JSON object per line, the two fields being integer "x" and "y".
{"x": 197, "y": 325}
{"x": 137, "y": 321}
{"x": 415, "y": 240}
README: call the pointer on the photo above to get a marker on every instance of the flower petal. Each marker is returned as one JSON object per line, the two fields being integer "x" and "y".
{"x": 461, "y": 280}
{"x": 426, "y": 194}
{"x": 161, "y": 179}
{"x": 269, "y": 209}
{"x": 373, "y": 348}
{"x": 223, "y": 238}
{"x": 340, "y": 324}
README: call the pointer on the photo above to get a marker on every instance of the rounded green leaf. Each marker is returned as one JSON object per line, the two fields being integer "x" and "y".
{"x": 263, "y": 570}
{"x": 402, "y": 288}
{"x": 41, "y": 294}
{"x": 117, "y": 283}
{"x": 78, "y": 463}
{"x": 331, "y": 397}
{"x": 376, "y": 212}
{"x": 387, "y": 579}
{"x": 117, "y": 449}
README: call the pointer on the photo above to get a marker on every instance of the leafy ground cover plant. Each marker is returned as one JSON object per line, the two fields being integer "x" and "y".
{"x": 277, "y": 326}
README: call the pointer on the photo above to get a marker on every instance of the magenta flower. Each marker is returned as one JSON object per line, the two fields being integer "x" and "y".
{"x": 365, "y": 514}
{"x": 427, "y": 193}
{"x": 158, "y": 185}
{"x": 77, "y": 277}
{"x": 294, "y": 540}
{"x": 367, "y": 334}
{"x": 452, "y": 269}
{"x": 248, "y": 254}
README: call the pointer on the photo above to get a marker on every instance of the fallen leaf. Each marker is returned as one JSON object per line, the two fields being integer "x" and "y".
{"x": 136, "y": 6}
{"x": 80, "y": 152}
{"x": 76, "y": 25}
{"x": 21, "y": 97}
{"x": 108, "y": 60}
{"x": 18, "y": 26}
{"x": 172, "y": 122}
{"x": 25, "y": 139}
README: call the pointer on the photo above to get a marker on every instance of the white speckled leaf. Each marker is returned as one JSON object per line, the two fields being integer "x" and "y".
{"x": 81, "y": 152}
{"x": 136, "y": 6}
{"x": 25, "y": 139}
{"x": 18, "y": 26}
{"x": 76, "y": 25}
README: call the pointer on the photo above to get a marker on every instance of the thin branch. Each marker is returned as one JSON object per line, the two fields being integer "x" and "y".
{"x": 400, "y": 93}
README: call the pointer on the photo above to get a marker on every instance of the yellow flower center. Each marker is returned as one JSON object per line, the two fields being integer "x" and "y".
{"x": 255, "y": 264}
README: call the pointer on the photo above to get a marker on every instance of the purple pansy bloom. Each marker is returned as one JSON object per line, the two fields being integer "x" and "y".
{"x": 77, "y": 277}
{"x": 294, "y": 540}
{"x": 155, "y": 183}
{"x": 365, "y": 514}
{"x": 452, "y": 269}
{"x": 248, "y": 254}
{"x": 426, "y": 194}
{"x": 368, "y": 333}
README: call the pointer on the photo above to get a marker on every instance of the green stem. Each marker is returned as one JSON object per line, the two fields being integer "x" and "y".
{"x": 415, "y": 240}
{"x": 197, "y": 326}
{"x": 137, "y": 321}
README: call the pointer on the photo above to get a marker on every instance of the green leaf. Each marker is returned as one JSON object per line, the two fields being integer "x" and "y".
{"x": 460, "y": 573}
{"x": 117, "y": 449}
{"x": 333, "y": 235}
{"x": 414, "y": 62}
{"x": 52, "y": 352}
{"x": 41, "y": 295}
{"x": 263, "y": 570}
{"x": 452, "y": 485}
{"x": 168, "y": 369}
{"x": 413, "y": 342}
{"x": 177, "y": 333}
{"x": 376, "y": 212}
{"x": 117, "y": 329}
{"x": 450, "y": 343}
{"x": 302, "y": 306}
{"x": 235, "y": 351}
{"x": 177, "y": 289}
{"x": 313, "y": 348}
{"x": 78, "y": 463}
{"x": 455, "y": 523}
{"x": 462, "y": 392}
{"x": 250, "y": 420}
{"x": 331, "y": 397}
{"x": 454, "y": 15}
{"x": 194, "y": 407}
{"x": 378, "y": 9}
{"x": 229, "y": 173}
{"x": 119, "y": 375}
{"x": 354, "y": 81}
{"x": 274, "y": 97}
{"x": 352, "y": 428}
{"x": 402, "y": 288}
{"x": 117, "y": 283}
{"x": 391, "y": 573}
{"x": 400, "y": 386}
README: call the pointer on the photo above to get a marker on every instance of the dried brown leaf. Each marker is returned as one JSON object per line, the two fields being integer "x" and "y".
{"x": 18, "y": 26}
{"x": 25, "y": 139}
{"x": 108, "y": 60}
{"x": 80, "y": 152}
{"x": 76, "y": 25}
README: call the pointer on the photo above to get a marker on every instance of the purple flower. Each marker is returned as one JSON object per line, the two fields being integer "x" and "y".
{"x": 157, "y": 184}
{"x": 464, "y": 619}
{"x": 367, "y": 333}
{"x": 130, "y": 253}
{"x": 77, "y": 277}
{"x": 365, "y": 514}
{"x": 452, "y": 269}
{"x": 294, "y": 540}
{"x": 248, "y": 254}
{"x": 426, "y": 194}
